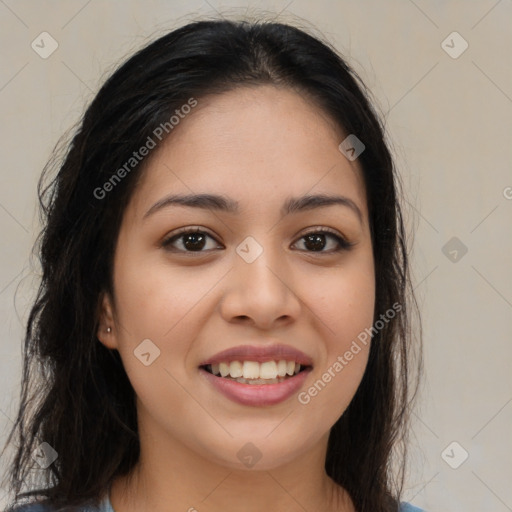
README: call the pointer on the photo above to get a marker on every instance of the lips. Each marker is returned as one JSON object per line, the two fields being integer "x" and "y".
{"x": 260, "y": 354}
{"x": 257, "y": 375}
{"x": 256, "y": 395}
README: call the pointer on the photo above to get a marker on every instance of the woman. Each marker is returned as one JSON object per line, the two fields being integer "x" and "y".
{"x": 224, "y": 316}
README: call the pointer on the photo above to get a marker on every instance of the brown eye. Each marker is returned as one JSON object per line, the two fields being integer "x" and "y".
{"x": 192, "y": 240}
{"x": 196, "y": 240}
{"x": 316, "y": 241}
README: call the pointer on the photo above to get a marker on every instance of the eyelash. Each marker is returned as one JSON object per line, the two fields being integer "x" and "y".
{"x": 343, "y": 244}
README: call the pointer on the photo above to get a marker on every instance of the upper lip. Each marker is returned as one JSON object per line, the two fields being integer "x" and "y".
{"x": 260, "y": 354}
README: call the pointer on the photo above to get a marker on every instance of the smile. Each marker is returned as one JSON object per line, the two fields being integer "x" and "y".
{"x": 256, "y": 392}
{"x": 255, "y": 373}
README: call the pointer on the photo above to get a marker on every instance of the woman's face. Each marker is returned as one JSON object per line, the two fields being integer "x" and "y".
{"x": 251, "y": 282}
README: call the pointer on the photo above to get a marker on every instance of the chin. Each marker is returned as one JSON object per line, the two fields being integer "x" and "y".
{"x": 246, "y": 453}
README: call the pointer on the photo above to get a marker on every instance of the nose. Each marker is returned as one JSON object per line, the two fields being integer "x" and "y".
{"x": 261, "y": 293}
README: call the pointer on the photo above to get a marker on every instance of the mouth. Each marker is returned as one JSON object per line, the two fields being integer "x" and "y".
{"x": 256, "y": 373}
{"x": 256, "y": 384}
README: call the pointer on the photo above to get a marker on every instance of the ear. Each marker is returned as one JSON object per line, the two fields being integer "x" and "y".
{"x": 107, "y": 332}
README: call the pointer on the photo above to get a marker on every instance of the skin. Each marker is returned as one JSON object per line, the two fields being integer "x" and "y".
{"x": 259, "y": 146}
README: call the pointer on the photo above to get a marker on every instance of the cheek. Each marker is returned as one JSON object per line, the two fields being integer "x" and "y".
{"x": 344, "y": 308}
{"x": 166, "y": 307}
{"x": 155, "y": 299}
{"x": 345, "y": 300}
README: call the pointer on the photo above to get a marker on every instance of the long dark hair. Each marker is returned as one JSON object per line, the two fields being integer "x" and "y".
{"x": 75, "y": 393}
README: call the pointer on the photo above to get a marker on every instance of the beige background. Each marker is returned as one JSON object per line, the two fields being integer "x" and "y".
{"x": 450, "y": 121}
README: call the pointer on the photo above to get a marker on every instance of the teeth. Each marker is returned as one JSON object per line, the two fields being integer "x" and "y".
{"x": 281, "y": 368}
{"x": 251, "y": 372}
{"x": 268, "y": 370}
{"x": 236, "y": 369}
{"x": 259, "y": 381}
{"x": 224, "y": 369}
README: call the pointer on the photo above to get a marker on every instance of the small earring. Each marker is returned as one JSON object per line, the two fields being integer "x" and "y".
{"x": 109, "y": 330}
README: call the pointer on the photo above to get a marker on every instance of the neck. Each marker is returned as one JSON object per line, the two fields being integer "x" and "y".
{"x": 174, "y": 478}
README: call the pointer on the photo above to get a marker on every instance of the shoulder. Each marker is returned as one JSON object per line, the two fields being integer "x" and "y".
{"x": 29, "y": 507}
{"x": 43, "y": 507}
{"x": 405, "y": 507}
{"x": 104, "y": 506}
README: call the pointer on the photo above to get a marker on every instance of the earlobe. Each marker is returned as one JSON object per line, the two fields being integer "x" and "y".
{"x": 106, "y": 332}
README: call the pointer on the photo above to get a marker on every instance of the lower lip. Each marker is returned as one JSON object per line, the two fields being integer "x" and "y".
{"x": 257, "y": 394}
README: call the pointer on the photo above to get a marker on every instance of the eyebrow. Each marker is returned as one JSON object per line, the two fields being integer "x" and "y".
{"x": 228, "y": 205}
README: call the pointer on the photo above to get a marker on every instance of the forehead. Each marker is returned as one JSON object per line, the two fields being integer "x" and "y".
{"x": 253, "y": 144}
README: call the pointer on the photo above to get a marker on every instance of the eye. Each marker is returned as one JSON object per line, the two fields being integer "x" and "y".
{"x": 193, "y": 240}
{"x": 316, "y": 241}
